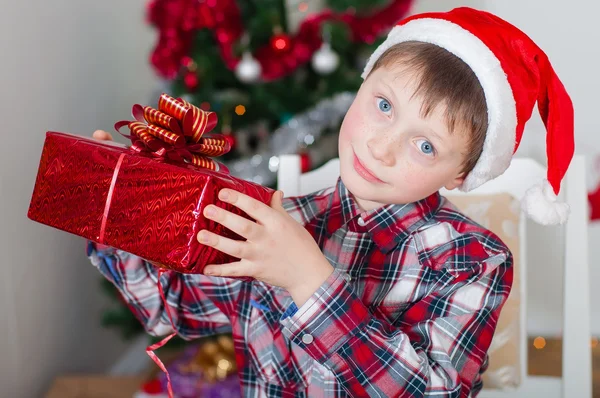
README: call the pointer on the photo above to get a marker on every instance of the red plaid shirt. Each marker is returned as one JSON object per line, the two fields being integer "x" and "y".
{"x": 409, "y": 311}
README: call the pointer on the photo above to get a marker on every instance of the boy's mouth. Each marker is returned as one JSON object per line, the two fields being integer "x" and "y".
{"x": 363, "y": 171}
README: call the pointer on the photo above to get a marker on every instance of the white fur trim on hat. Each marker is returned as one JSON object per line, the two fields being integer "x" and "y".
{"x": 541, "y": 205}
{"x": 500, "y": 139}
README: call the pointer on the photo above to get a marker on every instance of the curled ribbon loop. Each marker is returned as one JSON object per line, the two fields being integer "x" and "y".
{"x": 176, "y": 131}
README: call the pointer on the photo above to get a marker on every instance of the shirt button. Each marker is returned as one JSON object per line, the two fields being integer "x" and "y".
{"x": 361, "y": 222}
{"x": 347, "y": 277}
{"x": 307, "y": 338}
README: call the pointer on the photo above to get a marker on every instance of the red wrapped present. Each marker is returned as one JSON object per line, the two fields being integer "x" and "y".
{"x": 147, "y": 198}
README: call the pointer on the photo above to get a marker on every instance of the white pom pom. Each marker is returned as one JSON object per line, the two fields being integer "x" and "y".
{"x": 541, "y": 205}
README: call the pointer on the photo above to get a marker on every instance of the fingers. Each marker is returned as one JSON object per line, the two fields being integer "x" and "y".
{"x": 236, "y": 269}
{"x": 102, "y": 135}
{"x": 277, "y": 201}
{"x": 240, "y": 225}
{"x": 235, "y": 248}
{"x": 254, "y": 208}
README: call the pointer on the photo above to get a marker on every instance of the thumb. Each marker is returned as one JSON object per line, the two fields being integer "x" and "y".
{"x": 102, "y": 135}
{"x": 277, "y": 201}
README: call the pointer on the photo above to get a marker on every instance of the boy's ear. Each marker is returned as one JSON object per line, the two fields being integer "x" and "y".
{"x": 456, "y": 182}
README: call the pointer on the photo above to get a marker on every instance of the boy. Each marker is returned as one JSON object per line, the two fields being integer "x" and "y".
{"x": 379, "y": 286}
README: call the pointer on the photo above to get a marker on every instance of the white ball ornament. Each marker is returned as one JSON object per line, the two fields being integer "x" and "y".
{"x": 248, "y": 69}
{"x": 325, "y": 60}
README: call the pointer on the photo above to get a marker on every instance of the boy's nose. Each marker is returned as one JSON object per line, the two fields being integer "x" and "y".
{"x": 381, "y": 149}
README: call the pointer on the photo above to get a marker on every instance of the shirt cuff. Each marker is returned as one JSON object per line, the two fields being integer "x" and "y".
{"x": 330, "y": 317}
{"x": 292, "y": 309}
{"x": 104, "y": 255}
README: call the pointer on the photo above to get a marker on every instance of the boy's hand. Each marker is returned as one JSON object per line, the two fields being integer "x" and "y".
{"x": 278, "y": 250}
{"x": 102, "y": 135}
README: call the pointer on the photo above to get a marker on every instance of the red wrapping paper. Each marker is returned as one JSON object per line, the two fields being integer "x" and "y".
{"x": 134, "y": 201}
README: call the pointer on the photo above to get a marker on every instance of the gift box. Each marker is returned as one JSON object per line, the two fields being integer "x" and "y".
{"x": 205, "y": 370}
{"x": 146, "y": 198}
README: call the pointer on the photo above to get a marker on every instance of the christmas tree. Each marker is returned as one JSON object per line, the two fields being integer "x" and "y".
{"x": 280, "y": 74}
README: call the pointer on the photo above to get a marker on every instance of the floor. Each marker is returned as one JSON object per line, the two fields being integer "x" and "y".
{"x": 547, "y": 361}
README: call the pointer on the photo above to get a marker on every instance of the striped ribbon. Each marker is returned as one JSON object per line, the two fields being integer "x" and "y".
{"x": 177, "y": 131}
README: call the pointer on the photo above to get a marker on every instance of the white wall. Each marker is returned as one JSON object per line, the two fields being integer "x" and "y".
{"x": 568, "y": 33}
{"x": 73, "y": 66}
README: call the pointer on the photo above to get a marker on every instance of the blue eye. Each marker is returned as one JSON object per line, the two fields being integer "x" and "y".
{"x": 426, "y": 147}
{"x": 384, "y": 105}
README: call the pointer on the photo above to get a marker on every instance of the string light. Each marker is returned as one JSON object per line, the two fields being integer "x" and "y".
{"x": 302, "y": 7}
{"x": 205, "y": 106}
{"x": 539, "y": 343}
{"x": 240, "y": 110}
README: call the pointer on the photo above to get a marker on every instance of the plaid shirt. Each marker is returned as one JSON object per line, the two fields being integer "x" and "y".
{"x": 409, "y": 311}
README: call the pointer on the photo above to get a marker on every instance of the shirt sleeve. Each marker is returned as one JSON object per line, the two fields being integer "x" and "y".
{"x": 199, "y": 305}
{"x": 437, "y": 348}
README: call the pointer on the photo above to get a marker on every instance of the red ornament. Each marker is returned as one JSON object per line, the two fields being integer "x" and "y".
{"x": 305, "y": 163}
{"x": 594, "y": 199}
{"x": 191, "y": 80}
{"x": 281, "y": 43}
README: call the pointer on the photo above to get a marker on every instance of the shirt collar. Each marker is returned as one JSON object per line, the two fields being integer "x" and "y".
{"x": 387, "y": 225}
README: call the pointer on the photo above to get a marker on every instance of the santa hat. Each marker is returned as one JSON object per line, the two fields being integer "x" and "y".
{"x": 514, "y": 73}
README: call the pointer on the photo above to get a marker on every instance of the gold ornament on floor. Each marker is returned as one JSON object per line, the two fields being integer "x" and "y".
{"x": 215, "y": 359}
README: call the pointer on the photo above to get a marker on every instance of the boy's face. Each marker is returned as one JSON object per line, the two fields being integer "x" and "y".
{"x": 388, "y": 153}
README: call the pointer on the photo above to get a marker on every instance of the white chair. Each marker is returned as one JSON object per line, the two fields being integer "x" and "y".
{"x": 522, "y": 173}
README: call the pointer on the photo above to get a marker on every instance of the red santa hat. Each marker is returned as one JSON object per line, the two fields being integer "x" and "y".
{"x": 514, "y": 74}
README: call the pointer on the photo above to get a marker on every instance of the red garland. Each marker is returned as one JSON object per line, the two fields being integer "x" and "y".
{"x": 178, "y": 20}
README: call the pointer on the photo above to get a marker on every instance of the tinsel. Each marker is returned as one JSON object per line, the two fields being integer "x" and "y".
{"x": 300, "y": 131}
